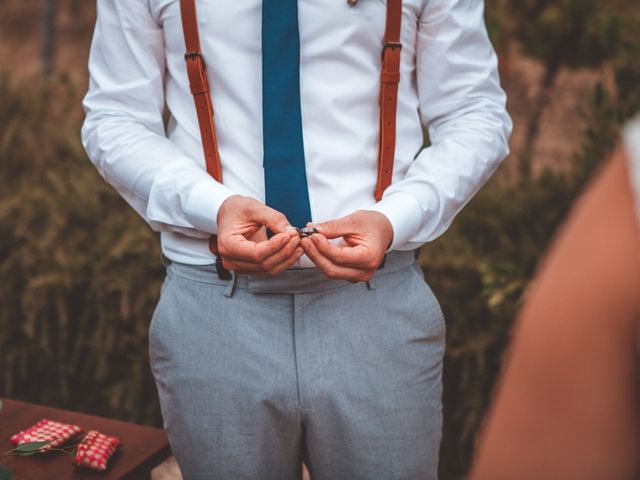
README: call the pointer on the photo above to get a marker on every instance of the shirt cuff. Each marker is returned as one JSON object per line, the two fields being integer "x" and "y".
{"x": 404, "y": 213}
{"x": 203, "y": 203}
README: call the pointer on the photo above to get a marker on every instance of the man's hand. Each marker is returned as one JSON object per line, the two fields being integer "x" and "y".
{"x": 366, "y": 237}
{"x": 243, "y": 242}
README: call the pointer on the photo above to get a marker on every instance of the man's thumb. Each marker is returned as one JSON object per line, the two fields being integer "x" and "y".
{"x": 272, "y": 219}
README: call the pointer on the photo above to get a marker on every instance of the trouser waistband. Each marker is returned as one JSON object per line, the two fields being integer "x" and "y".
{"x": 293, "y": 281}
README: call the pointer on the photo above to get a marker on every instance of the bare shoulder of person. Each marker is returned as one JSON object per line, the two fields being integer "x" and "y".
{"x": 567, "y": 404}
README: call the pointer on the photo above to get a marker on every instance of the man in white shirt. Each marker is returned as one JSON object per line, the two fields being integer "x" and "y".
{"x": 292, "y": 359}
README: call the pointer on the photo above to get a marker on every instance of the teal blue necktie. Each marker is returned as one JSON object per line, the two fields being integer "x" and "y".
{"x": 284, "y": 165}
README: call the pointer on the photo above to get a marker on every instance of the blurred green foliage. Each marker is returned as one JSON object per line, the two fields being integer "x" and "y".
{"x": 479, "y": 271}
{"x": 481, "y": 267}
{"x": 572, "y": 33}
{"x": 80, "y": 272}
{"x": 568, "y": 34}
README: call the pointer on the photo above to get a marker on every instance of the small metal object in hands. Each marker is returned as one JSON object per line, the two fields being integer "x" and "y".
{"x": 306, "y": 232}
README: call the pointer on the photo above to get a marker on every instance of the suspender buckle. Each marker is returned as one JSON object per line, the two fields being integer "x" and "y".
{"x": 192, "y": 55}
{"x": 196, "y": 72}
{"x": 391, "y": 46}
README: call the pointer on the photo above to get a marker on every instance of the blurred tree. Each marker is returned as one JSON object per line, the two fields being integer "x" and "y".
{"x": 481, "y": 267}
{"x": 562, "y": 33}
{"x": 499, "y": 28}
{"x": 76, "y": 12}
{"x": 48, "y": 36}
{"x": 608, "y": 108}
{"x": 626, "y": 61}
{"x": 79, "y": 270}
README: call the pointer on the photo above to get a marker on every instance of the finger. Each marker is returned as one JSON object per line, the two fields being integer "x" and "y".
{"x": 282, "y": 256}
{"x": 331, "y": 270}
{"x": 358, "y": 256}
{"x": 269, "y": 262}
{"x": 272, "y": 219}
{"x": 259, "y": 236}
{"x": 335, "y": 228}
{"x": 239, "y": 248}
{"x": 288, "y": 262}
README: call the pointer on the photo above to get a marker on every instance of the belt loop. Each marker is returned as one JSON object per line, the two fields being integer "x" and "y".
{"x": 231, "y": 286}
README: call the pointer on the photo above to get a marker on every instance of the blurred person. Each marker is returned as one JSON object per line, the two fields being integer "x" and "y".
{"x": 309, "y": 349}
{"x": 568, "y": 405}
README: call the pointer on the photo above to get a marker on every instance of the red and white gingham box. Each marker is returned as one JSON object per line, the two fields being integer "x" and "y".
{"x": 45, "y": 430}
{"x": 95, "y": 450}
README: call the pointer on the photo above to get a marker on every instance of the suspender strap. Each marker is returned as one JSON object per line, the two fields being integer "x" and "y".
{"x": 199, "y": 85}
{"x": 389, "y": 80}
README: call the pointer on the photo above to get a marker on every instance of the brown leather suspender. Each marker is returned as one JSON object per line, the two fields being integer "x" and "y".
{"x": 199, "y": 85}
{"x": 389, "y": 80}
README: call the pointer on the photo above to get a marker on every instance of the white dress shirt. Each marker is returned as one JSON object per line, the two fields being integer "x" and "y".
{"x": 449, "y": 84}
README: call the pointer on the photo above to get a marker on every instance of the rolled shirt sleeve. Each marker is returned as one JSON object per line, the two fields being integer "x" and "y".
{"x": 123, "y": 132}
{"x": 464, "y": 108}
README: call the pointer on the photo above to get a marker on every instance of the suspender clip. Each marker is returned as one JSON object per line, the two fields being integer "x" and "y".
{"x": 223, "y": 273}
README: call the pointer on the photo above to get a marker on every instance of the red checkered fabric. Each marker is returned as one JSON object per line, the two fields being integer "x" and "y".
{"x": 45, "y": 430}
{"x": 95, "y": 450}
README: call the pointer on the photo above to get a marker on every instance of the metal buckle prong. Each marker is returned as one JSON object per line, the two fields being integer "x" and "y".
{"x": 391, "y": 46}
{"x": 192, "y": 55}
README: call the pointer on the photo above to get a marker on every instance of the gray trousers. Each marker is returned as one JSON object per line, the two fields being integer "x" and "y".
{"x": 256, "y": 375}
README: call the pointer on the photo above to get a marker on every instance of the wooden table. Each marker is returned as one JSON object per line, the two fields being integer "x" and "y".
{"x": 142, "y": 448}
